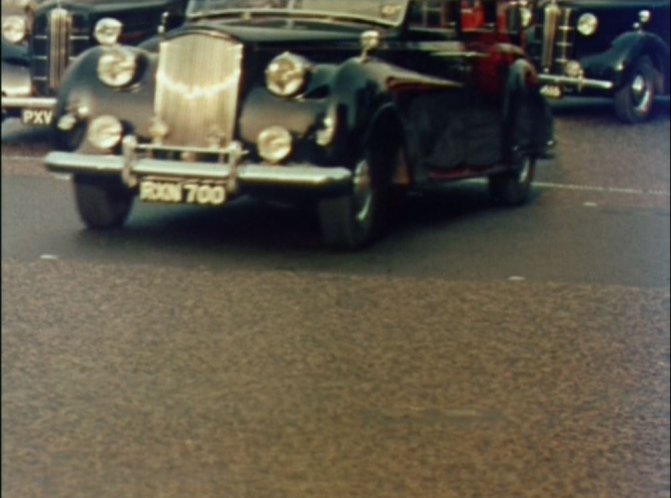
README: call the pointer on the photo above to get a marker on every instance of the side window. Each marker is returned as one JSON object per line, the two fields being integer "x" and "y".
{"x": 432, "y": 14}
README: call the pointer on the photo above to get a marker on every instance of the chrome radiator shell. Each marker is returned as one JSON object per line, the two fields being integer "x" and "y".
{"x": 60, "y": 24}
{"x": 197, "y": 87}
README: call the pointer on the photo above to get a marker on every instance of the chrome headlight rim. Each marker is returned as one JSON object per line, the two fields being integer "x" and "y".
{"x": 107, "y": 31}
{"x": 15, "y": 29}
{"x": 117, "y": 67}
{"x": 287, "y": 74}
{"x": 274, "y": 144}
{"x": 105, "y": 132}
{"x": 588, "y": 23}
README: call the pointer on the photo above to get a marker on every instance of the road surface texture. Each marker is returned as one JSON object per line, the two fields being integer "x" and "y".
{"x": 474, "y": 352}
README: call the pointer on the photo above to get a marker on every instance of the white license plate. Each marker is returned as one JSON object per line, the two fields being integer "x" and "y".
{"x": 552, "y": 91}
{"x": 37, "y": 117}
{"x": 182, "y": 192}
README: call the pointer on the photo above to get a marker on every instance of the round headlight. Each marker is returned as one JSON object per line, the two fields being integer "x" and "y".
{"x": 15, "y": 29}
{"x": 527, "y": 16}
{"x": 105, "y": 132}
{"x": 286, "y": 74}
{"x": 107, "y": 31}
{"x": 117, "y": 67}
{"x": 587, "y": 24}
{"x": 274, "y": 144}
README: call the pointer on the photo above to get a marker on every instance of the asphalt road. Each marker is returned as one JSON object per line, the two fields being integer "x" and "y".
{"x": 474, "y": 352}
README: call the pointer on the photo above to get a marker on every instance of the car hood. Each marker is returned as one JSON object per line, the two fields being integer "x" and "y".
{"x": 281, "y": 31}
{"x": 612, "y": 4}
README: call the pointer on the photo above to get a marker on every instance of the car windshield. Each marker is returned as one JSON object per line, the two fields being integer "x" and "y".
{"x": 389, "y": 12}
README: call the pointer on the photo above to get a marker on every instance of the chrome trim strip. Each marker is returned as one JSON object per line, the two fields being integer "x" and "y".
{"x": 298, "y": 175}
{"x": 28, "y": 102}
{"x": 579, "y": 82}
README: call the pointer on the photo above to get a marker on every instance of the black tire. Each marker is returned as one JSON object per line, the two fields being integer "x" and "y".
{"x": 102, "y": 203}
{"x": 634, "y": 102}
{"x": 512, "y": 188}
{"x": 351, "y": 221}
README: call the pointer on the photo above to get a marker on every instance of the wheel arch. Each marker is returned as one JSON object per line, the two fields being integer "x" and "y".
{"x": 631, "y": 46}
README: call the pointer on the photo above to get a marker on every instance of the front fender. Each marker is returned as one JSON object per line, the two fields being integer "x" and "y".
{"x": 615, "y": 64}
{"x": 83, "y": 94}
{"x": 527, "y": 117}
{"x": 355, "y": 94}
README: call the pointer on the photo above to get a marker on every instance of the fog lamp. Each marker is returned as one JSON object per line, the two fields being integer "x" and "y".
{"x": 105, "y": 132}
{"x": 573, "y": 69}
{"x": 274, "y": 144}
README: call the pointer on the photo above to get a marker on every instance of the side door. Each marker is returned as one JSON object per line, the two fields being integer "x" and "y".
{"x": 462, "y": 128}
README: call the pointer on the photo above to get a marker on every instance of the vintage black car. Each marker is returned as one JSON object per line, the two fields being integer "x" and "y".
{"x": 41, "y": 37}
{"x": 340, "y": 102}
{"x": 618, "y": 48}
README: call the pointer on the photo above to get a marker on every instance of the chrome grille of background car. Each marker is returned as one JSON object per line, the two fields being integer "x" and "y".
{"x": 59, "y": 46}
{"x": 555, "y": 38}
{"x": 197, "y": 86}
{"x": 59, "y": 36}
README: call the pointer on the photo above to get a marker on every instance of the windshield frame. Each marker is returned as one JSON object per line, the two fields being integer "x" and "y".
{"x": 292, "y": 13}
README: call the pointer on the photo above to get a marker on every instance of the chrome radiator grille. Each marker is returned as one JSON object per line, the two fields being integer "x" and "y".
{"x": 58, "y": 37}
{"x": 556, "y": 38}
{"x": 552, "y": 13}
{"x": 197, "y": 86}
{"x": 59, "y": 45}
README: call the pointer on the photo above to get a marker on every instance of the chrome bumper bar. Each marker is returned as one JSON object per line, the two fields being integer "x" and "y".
{"x": 28, "y": 102}
{"x": 552, "y": 79}
{"x": 293, "y": 176}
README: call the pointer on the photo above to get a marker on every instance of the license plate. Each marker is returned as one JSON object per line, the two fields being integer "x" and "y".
{"x": 182, "y": 192}
{"x": 551, "y": 91}
{"x": 37, "y": 117}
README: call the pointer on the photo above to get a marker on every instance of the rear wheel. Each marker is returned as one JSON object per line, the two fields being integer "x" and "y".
{"x": 512, "y": 188}
{"x": 634, "y": 101}
{"x": 102, "y": 202}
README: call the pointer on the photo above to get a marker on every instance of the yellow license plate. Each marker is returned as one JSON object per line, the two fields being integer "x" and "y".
{"x": 37, "y": 117}
{"x": 182, "y": 192}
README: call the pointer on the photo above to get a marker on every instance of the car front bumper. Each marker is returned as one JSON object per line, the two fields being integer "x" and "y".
{"x": 553, "y": 80}
{"x": 306, "y": 177}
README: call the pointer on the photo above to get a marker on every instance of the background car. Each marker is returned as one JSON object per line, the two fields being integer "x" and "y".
{"x": 618, "y": 48}
{"x": 340, "y": 102}
{"x": 41, "y": 38}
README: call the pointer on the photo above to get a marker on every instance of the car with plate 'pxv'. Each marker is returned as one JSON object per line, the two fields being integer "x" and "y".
{"x": 41, "y": 38}
{"x": 617, "y": 48}
{"x": 339, "y": 103}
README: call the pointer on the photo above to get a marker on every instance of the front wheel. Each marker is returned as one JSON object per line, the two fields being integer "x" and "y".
{"x": 512, "y": 188}
{"x": 353, "y": 220}
{"x": 634, "y": 101}
{"x": 102, "y": 202}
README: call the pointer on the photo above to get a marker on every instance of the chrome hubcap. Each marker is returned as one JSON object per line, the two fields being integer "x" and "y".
{"x": 642, "y": 93}
{"x": 525, "y": 169}
{"x": 363, "y": 193}
{"x": 638, "y": 86}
